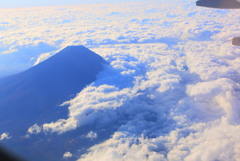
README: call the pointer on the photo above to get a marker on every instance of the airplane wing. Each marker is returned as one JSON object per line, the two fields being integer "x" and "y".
{"x": 236, "y": 41}
{"x": 8, "y": 156}
{"x": 221, "y": 4}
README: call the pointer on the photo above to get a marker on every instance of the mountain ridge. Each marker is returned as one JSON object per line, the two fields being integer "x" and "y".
{"x": 33, "y": 96}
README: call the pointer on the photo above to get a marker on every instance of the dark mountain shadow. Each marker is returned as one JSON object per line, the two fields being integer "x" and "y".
{"x": 34, "y": 95}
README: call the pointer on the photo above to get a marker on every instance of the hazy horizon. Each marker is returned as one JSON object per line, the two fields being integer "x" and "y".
{"x": 45, "y": 3}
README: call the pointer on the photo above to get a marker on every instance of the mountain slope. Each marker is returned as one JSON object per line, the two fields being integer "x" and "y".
{"x": 33, "y": 96}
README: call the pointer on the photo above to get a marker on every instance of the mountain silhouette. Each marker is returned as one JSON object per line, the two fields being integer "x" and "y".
{"x": 34, "y": 96}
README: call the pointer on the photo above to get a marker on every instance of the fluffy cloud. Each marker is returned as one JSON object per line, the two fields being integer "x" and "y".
{"x": 4, "y": 136}
{"x": 171, "y": 89}
{"x": 92, "y": 135}
{"x": 67, "y": 155}
{"x": 103, "y": 24}
{"x": 204, "y": 143}
{"x": 35, "y": 129}
{"x": 42, "y": 57}
{"x": 166, "y": 111}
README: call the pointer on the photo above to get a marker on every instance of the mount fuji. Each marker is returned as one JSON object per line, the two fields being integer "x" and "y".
{"x": 34, "y": 96}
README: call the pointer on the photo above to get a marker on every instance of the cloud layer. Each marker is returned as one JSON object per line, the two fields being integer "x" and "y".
{"x": 170, "y": 91}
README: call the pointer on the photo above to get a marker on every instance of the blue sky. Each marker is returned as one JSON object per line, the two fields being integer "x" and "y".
{"x": 30, "y": 3}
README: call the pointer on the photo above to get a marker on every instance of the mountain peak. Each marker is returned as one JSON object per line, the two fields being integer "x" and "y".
{"x": 33, "y": 95}
{"x": 77, "y": 48}
{"x": 74, "y": 54}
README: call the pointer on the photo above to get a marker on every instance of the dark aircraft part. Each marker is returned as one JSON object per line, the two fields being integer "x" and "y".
{"x": 236, "y": 41}
{"x": 8, "y": 156}
{"x": 221, "y": 4}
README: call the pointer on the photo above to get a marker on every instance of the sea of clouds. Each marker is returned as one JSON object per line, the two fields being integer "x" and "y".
{"x": 170, "y": 92}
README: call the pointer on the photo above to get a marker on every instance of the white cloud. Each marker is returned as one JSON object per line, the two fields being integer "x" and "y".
{"x": 91, "y": 135}
{"x": 67, "y": 155}
{"x": 4, "y": 136}
{"x": 42, "y": 57}
{"x": 87, "y": 105}
{"x": 123, "y": 147}
{"x": 211, "y": 143}
{"x": 35, "y": 129}
{"x": 168, "y": 106}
